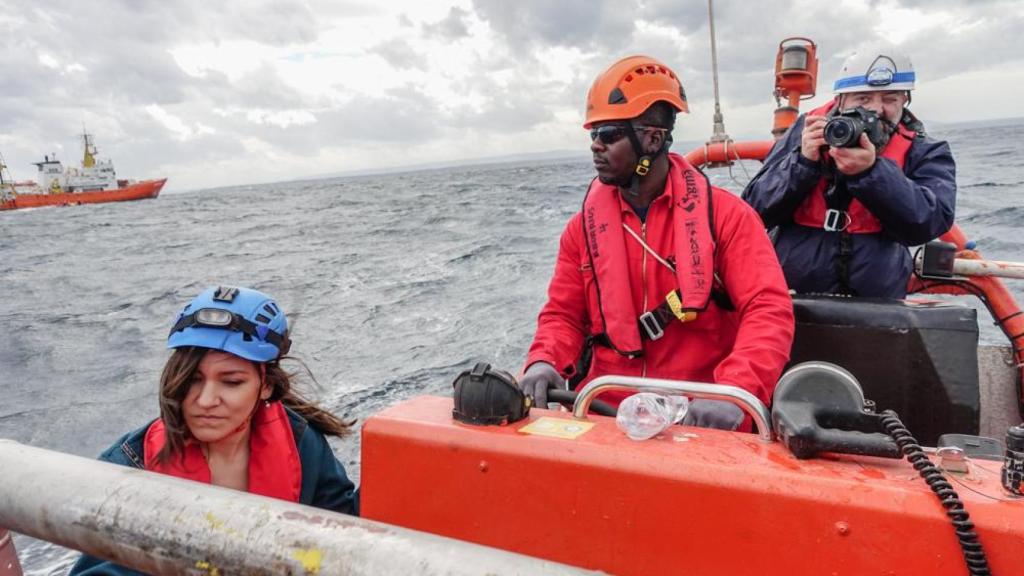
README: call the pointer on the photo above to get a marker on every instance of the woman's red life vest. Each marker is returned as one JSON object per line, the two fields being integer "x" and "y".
{"x": 812, "y": 211}
{"x": 606, "y": 245}
{"x": 275, "y": 469}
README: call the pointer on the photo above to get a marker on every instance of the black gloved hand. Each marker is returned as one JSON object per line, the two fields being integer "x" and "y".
{"x": 538, "y": 378}
{"x": 714, "y": 414}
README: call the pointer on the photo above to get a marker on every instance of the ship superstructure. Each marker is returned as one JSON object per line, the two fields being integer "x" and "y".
{"x": 91, "y": 176}
{"x": 95, "y": 181}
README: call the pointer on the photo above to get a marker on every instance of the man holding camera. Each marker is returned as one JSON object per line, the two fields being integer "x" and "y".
{"x": 855, "y": 182}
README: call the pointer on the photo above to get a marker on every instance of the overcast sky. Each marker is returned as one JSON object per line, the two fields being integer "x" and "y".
{"x": 220, "y": 93}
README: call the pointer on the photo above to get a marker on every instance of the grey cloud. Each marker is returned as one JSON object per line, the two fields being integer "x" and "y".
{"x": 395, "y": 117}
{"x": 583, "y": 23}
{"x": 516, "y": 108}
{"x": 85, "y": 24}
{"x": 938, "y": 53}
{"x": 124, "y": 47}
{"x": 685, "y": 16}
{"x": 951, "y": 3}
{"x": 400, "y": 54}
{"x": 746, "y": 56}
{"x": 452, "y": 27}
{"x": 147, "y": 148}
{"x": 114, "y": 68}
{"x": 403, "y": 114}
{"x": 258, "y": 88}
{"x": 274, "y": 22}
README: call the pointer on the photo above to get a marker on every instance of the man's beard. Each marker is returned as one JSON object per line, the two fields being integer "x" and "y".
{"x": 888, "y": 129}
{"x": 620, "y": 181}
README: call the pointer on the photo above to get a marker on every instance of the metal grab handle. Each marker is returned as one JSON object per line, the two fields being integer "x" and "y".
{"x": 738, "y": 396}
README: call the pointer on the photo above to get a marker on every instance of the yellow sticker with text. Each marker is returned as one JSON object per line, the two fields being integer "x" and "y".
{"x": 557, "y": 427}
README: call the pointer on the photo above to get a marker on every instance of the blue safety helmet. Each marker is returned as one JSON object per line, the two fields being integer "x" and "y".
{"x": 242, "y": 321}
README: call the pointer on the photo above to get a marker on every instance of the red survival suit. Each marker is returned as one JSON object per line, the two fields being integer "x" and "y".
{"x": 747, "y": 347}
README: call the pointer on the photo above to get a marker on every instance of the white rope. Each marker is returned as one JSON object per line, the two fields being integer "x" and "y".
{"x": 740, "y": 162}
{"x": 655, "y": 254}
{"x": 649, "y": 249}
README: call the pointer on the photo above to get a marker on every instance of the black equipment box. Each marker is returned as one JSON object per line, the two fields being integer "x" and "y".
{"x": 919, "y": 359}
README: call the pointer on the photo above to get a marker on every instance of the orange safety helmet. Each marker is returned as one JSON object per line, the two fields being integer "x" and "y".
{"x": 628, "y": 88}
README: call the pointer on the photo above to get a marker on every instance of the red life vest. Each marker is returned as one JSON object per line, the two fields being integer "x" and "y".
{"x": 812, "y": 210}
{"x": 694, "y": 244}
{"x": 275, "y": 469}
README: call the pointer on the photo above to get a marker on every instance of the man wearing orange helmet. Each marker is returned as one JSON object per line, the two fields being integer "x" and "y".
{"x": 660, "y": 274}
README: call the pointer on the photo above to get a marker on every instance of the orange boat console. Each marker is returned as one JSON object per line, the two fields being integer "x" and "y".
{"x": 693, "y": 500}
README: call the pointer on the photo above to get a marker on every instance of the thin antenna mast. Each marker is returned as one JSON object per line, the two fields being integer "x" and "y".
{"x": 718, "y": 132}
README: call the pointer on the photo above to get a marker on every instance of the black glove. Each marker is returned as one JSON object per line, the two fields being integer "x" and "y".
{"x": 714, "y": 414}
{"x": 538, "y": 378}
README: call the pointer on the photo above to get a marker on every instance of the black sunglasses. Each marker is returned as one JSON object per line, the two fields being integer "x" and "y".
{"x": 612, "y": 133}
{"x": 609, "y": 133}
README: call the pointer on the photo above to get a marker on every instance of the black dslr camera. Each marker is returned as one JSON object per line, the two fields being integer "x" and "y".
{"x": 844, "y": 129}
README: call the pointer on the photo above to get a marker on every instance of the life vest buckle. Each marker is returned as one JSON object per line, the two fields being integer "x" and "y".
{"x": 675, "y": 304}
{"x": 651, "y": 326}
{"x": 836, "y": 220}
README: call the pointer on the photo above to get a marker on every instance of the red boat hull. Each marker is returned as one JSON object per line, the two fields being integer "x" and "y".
{"x": 137, "y": 191}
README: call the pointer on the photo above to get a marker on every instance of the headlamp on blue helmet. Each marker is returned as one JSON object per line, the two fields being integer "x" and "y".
{"x": 241, "y": 321}
{"x": 879, "y": 68}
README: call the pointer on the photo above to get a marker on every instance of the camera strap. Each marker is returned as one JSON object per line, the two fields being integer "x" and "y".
{"x": 837, "y": 220}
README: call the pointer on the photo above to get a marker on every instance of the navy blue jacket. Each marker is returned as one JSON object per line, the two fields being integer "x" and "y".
{"x": 914, "y": 207}
{"x": 324, "y": 482}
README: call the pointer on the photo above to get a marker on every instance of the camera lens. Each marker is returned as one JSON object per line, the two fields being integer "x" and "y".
{"x": 842, "y": 132}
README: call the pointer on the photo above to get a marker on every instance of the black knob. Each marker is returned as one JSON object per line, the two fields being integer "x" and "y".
{"x": 1013, "y": 466}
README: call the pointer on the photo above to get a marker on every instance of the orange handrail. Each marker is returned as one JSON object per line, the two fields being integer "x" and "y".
{"x": 727, "y": 152}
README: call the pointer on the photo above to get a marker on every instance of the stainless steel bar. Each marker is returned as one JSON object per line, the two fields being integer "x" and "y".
{"x": 738, "y": 396}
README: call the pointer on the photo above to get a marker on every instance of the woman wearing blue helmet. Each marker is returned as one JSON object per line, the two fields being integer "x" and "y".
{"x": 229, "y": 415}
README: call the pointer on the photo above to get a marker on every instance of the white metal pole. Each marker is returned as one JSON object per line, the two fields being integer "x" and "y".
{"x": 965, "y": 267}
{"x": 164, "y": 525}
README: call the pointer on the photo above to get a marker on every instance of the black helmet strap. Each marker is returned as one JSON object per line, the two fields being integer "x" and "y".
{"x": 644, "y": 161}
{"x": 238, "y": 324}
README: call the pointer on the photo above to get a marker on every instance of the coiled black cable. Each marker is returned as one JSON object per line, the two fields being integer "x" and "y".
{"x": 974, "y": 555}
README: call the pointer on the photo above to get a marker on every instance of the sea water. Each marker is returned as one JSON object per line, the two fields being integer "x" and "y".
{"x": 393, "y": 283}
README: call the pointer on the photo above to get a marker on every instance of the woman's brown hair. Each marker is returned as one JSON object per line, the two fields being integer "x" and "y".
{"x": 176, "y": 380}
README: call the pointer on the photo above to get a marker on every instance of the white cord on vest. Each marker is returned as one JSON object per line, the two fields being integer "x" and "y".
{"x": 649, "y": 249}
{"x": 655, "y": 254}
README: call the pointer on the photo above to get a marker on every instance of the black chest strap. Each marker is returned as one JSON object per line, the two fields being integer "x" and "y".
{"x": 837, "y": 221}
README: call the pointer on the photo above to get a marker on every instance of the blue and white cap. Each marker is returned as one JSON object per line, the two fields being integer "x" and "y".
{"x": 871, "y": 70}
{"x": 242, "y": 321}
